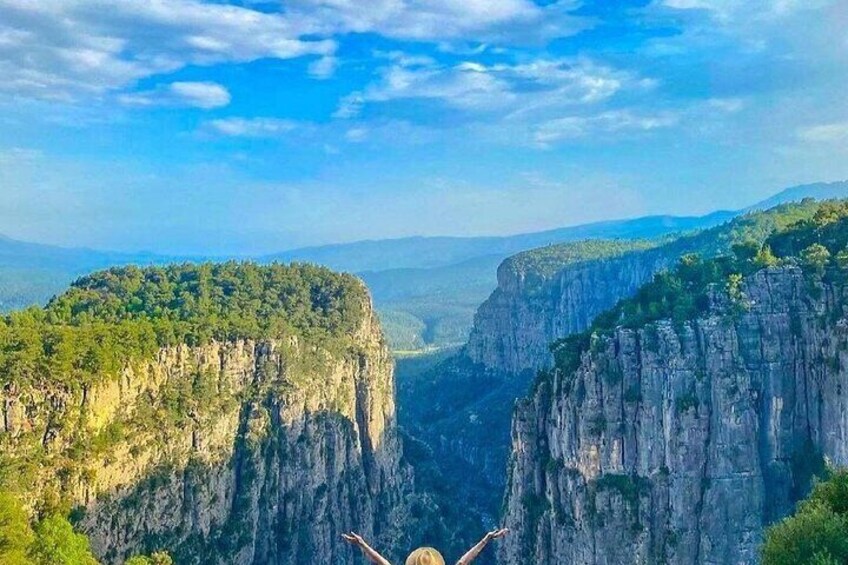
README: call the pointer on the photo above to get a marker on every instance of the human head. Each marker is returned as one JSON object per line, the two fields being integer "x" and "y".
{"x": 425, "y": 556}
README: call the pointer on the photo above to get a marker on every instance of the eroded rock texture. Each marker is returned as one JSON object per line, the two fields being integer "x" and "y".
{"x": 514, "y": 328}
{"x": 680, "y": 443}
{"x": 243, "y": 452}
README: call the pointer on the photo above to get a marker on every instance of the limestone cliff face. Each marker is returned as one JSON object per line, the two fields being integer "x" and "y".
{"x": 526, "y": 313}
{"x": 243, "y": 452}
{"x": 679, "y": 444}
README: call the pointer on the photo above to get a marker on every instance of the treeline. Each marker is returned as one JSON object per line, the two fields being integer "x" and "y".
{"x": 121, "y": 314}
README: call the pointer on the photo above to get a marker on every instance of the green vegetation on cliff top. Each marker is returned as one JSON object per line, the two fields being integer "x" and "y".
{"x": 109, "y": 318}
{"x": 220, "y": 301}
{"x": 816, "y": 241}
{"x": 546, "y": 262}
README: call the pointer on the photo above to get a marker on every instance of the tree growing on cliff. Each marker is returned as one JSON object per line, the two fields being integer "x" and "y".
{"x": 52, "y": 541}
{"x": 56, "y": 543}
{"x": 817, "y": 534}
{"x": 815, "y": 257}
{"x": 16, "y": 535}
{"x": 156, "y": 558}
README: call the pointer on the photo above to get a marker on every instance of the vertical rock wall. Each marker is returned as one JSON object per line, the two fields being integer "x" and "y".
{"x": 679, "y": 444}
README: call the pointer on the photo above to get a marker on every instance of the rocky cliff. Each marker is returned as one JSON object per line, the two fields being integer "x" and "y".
{"x": 236, "y": 451}
{"x": 514, "y": 328}
{"x": 679, "y": 442}
{"x": 539, "y": 300}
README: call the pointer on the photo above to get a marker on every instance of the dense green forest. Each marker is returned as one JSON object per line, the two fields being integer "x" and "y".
{"x": 113, "y": 316}
{"x": 545, "y": 262}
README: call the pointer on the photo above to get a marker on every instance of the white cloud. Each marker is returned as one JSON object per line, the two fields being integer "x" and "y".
{"x": 205, "y": 95}
{"x": 356, "y": 135}
{"x": 250, "y": 127}
{"x": 728, "y": 10}
{"x": 201, "y": 94}
{"x": 323, "y": 68}
{"x": 604, "y": 124}
{"x": 727, "y": 105}
{"x": 497, "y": 21}
{"x": 825, "y": 133}
{"x": 68, "y": 49}
{"x": 523, "y": 88}
{"x": 16, "y": 155}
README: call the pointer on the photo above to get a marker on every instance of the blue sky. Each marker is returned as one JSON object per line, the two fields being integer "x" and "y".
{"x": 185, "y": 126}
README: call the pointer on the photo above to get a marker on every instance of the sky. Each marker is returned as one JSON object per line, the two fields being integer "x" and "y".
{"x": 248, "y": 127}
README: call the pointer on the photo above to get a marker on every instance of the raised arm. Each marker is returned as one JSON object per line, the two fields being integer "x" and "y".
{"x": 369, "y": 552}
{"x": 475, "y": 551}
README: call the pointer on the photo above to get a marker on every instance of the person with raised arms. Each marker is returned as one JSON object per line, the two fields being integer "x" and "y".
{"x": 424, "y": 555}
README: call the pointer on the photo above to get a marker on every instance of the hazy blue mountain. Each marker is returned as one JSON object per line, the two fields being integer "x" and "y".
{"x": 819, "y": 191}
{"x": 429, "y": 252}
{"x": 31, "y": 273}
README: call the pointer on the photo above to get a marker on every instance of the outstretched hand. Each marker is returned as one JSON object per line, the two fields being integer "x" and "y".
{"x": 354, "y": 539}
{"x": 481, "y": 545}
{"x": 497, "y": 534}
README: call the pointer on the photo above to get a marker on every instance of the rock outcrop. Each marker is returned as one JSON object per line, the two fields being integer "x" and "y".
{"x": 514, "y": 328}
{"x": 532, "y": 307}
{"x": 237, "y": 452}
{"x": 679, "y": 443}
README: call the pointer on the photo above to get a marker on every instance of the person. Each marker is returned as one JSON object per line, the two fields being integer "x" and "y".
{"x": 424, "y": 555}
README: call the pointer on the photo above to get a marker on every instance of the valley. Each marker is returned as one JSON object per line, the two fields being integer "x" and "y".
{"x": 423, "y": 282}
{"x": 237, "y": 413}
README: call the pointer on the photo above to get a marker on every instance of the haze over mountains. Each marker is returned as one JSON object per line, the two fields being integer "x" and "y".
{"x": 426, "y": 288}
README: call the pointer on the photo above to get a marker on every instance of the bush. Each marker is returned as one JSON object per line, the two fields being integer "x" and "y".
{"x": 56, "y": 543}
{"x": 818, "y": 532}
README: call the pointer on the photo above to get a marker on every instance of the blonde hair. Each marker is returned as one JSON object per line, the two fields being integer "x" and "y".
{"x": 425, "y": 556}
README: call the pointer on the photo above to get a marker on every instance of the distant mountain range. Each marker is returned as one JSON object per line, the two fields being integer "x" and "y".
{"x": 429, "y": 252}
{"x": 426, "y": 288}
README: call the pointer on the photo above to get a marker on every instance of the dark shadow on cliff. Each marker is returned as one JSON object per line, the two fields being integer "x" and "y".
{"x": 455, "y": 416}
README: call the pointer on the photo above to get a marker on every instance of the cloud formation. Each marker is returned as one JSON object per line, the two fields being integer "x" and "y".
{"x": 495, "y": 21}
{"x": 520, "y": 88}
{"x": 250, "y": 127}
{"x": 70, "y": 49}
{"x": 836, "y": 132}
{"x": 205, "y": 95}
{"x": 601, "y": 125}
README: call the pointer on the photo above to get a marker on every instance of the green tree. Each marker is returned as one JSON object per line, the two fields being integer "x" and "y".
{"x": 842, "y": 259}
{"x": 816, "y": 257}
{"x": 16, "y": 535}
{"x": 746, "y": 251}
{"x": 56, "y": 543}
{"x": 818, "y": 532}
{"x": 765, "y": 258}
{"x": 157, "y": 558}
